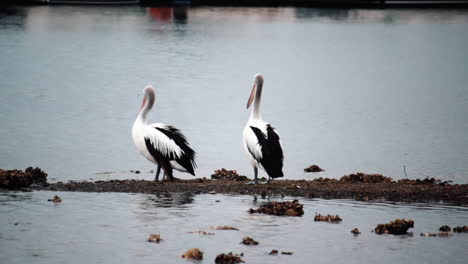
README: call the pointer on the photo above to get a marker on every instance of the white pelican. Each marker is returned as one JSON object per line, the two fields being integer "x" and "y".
{"x": 261, "y": 141}
{"x": 163, "y": 145}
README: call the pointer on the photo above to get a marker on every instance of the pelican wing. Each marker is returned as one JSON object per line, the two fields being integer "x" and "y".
{"x": 271, "y": 157}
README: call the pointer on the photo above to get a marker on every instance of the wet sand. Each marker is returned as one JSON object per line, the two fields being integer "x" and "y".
{"x": 319, "y": 188}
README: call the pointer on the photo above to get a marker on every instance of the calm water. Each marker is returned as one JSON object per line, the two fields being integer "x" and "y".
{"x": 350, "y": 90}
{"x": 113, "y": 228}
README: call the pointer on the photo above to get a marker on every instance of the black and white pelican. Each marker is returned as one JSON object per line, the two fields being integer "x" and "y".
{"x": 161, "y": 144}
{"x": 261, "y": 141}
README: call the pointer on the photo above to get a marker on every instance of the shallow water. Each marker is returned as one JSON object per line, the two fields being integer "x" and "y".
{"x": 113, "y": 227}
{"x": 349, "y": 90}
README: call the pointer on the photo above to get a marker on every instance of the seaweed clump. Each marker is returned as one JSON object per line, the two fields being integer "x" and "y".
{"x": 367, "y": 178}
{"x": 193, "y": 253}
{"x": 16, "y": 179}
{"x": 249, "y": 241}
{"x": 356, "y": 231}
{"x": 396, "y": 227}
{"x": 313, "y": 168}
{"x": 460, "y": 229}
{"x": 228, "y": 258}
{"x": 427, "y": 181}
{"x": 288, "y": 208}
{"x": 327, "y": 218}
{"x": 228, "y": 175}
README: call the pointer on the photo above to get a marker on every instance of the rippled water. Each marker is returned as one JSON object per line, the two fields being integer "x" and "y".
{"x": 110, "y": 228}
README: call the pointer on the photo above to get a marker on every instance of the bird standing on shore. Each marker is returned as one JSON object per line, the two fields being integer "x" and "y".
{"x": 161, "y": 144}
{"x": 261, "y": 141}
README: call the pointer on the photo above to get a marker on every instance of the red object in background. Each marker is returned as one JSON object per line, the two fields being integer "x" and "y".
{"x": 161, "y": 13}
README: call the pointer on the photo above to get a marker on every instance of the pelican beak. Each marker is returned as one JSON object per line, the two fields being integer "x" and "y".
{"x": 252, "y": 95}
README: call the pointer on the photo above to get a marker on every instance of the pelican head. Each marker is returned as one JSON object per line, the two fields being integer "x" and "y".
{"x": 258, "y": 84}
{"x": 148, "y": 96}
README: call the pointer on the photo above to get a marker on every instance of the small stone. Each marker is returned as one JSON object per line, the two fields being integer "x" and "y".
{"x": 193, "y": 253}
{"x": 445, "y": 228}
{"x": 313, "y": 168}
{"x": 229, "y": 258}
{"x": 287, "y": 252}
{"x": 461, "y": 229}
{"x": 273, "y": 252}
{"x": 356, "y": 231}
{"x": 154, "y": 238}
{"x": 249, "y": 241}
{"x": 56, "y": 199}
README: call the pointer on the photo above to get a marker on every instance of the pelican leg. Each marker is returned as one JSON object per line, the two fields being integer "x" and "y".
{"x": 256, "y": 175}
{"x": 164, "y": 176}
{"x": 158, "y": 170}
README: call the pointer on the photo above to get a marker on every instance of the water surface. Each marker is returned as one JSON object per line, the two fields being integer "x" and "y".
{"x": 349, "y": 90}
{"x": 113, "y": 227}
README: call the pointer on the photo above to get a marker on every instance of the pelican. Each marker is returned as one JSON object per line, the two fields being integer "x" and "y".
{"x": 261, "y": 141}
{"x": 161, "y": 144}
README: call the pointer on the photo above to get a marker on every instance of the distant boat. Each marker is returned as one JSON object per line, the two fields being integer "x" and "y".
{"x": 94, "y": 2}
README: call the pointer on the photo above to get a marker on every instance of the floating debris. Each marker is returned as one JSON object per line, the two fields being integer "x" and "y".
{"x": 228, "y": 258}
{"x": 356, "y": 231}
{"x": 16, "y": 179}
{"x": 273, "y": 252}
{"x": 229, "y": 175}
{"x": 225, "y": 227}
{"x": 362, "y": 177}
{"x": 428, "y": 234}
{"x": 56, "y": 199}
{"x": 313, "y": 168}
{"x": 461, "y": 229}
{"x": 396, "y": 227}
{"x": 442, "y": 234}
{"x": 287, "y": 252}
{"x": 154, "y": 238}
{"x": 202, "y": 233}
{"x": 193, "y": 253}
{"x": 327, "y": 218}
{"x": 445, "y": 228}
{"x": 288, "y": 208}
{"x": 249, "y": 241}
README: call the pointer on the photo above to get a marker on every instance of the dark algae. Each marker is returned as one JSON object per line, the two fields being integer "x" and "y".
{"x": 228, "y": 258}
{"x": 313, "y": 168}
{"x": 17, "y": 179}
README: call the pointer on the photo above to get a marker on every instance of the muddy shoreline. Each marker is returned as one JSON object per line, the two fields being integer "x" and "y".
{"x": 456, "y": 194}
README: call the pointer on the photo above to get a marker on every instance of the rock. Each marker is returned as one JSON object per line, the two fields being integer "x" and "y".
{"x": 154, "y": 238}
{"x": 225, "y": 227}
{"x": 193, "y": 253}
{"x": 228, "y": 175}
{"x": 313, "y": 168}
{"x": 249, "y": 241}
{"x": 287, "y": 252}
{"x": 273, "y": 252}
{"x": 442, "y": 234}
{"x": 202, "y": 233}
{"x": 56, "y": 199}
{"x": 293, "y": 208}
{"x": 328, "y": 218}
{"x": 228, "y": 258}
{"x": 16, "y": 179}
{"x": 396, "y": 227}
{"x": 356, "y": 231}
{"x": 445, "y": 228}
{"x": 460, "y": 229}
{"x": 369, "y": 178}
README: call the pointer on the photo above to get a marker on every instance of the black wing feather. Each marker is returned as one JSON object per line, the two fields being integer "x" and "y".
{"x": 187, "y": 159}
{"x": 272, "y": 153}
